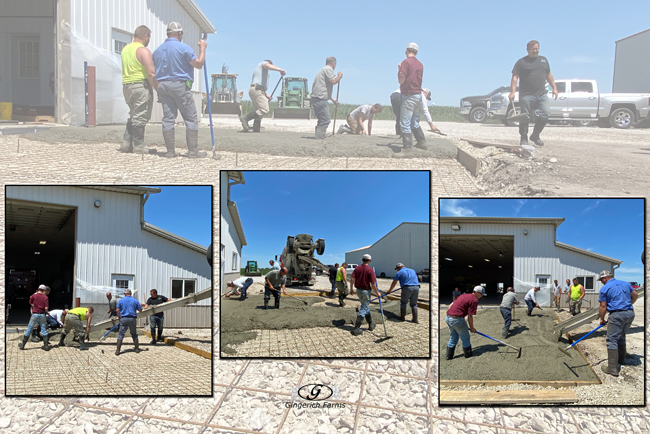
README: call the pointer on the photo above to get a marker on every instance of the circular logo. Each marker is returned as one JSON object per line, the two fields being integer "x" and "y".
{"x": 315, "y": 392}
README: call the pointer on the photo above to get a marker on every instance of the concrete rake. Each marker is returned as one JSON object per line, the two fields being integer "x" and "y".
{"x": 564, "y": 350}
{"x": 508, "y": 345}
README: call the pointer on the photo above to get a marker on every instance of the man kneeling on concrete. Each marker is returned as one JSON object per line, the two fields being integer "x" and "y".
{"x": 127, "y": 312}
{"x": 531, "y": 301}
{"x": 74, "y": 321}
{"x": 464, "y": 306}
{"x": 408, "y": 281}
{"x": 357, "y": 117}
{"x": 509, "y": 299}
{"x": 363, "y": 277}
{"x": 274, "y": 281}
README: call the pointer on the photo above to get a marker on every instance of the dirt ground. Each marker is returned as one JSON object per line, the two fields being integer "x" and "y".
{"x": 540, "y": 359}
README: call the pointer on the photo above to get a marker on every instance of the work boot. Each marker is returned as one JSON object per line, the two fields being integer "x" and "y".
{"x": 62, "y": 340}
{"x": 257, "y": 125}
{"x": 450, "y": 352}
{"x": 467, "y": 352}
{"x": 153, "y": 341}
{"x": 127, "y": 145}
{"x": 82, "y": 343}
{"x": 170, "y": 143}
{"x": 153, "y": 337}
{"x": 119, "y": 347}
{"x": 192, "y": 138}
{"x": 504, "y": 332}
{"x": 46, "y": 343}
{"x": 344, "y": 129}
{"x": 138, "y": 138}
{"x": 420, "y": 139}
{"x": 242, "y": 297}
{"x": 371, "y": 325}
{"x": 407, "y": 143}
{"x": 523, "y": 141}
{"x": 137, "y": 345}
{"x": 342, "y": 300}
{"x": 414, "y": 312}
{"x": 266, "y": 304}
{"x": 612, "y": 365}
{"x": 34, "y": 336}
{"x": 537, "y": 129}
{"x": 277, "y": 303}
{"x": 398, "y": 129}
{"x": 244, "y": 119}
{"x": 621, "y": 355}
{"x": 357, "y": 326}
{"x": 22, "y": 344}
{"x": 321, "y": 132}
{"x": 160, "y": 338}
{"x": 402, "y": 314}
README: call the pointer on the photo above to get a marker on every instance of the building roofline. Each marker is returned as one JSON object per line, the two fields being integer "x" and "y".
{"x": 174, "y": 238}
{"x": 631, "y": 36}
{"x": 360, "y": 248}
{"x": 403, "y": 223}
{"x": 557, "y": 221}
{"x": 198, "y": 16}
{"x": 122, "y": 189}
{"x": 587, "y": 252}
{"x": 234, "y": 213}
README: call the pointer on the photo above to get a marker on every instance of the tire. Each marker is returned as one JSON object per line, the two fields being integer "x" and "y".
{"x": 320, "y": 246}
{"x": 478, "y": 115}
{"x": 604, "y": 123}
{"x": 581, "y": 123}
{"x": 306, "y": 103}
{"x": 290, "y": 243}
{"x": 382, "y": 274}
{"x": 621, "y": 118}
{"x": 508, "y": 123}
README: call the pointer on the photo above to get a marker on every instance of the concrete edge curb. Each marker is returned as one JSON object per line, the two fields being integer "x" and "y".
{"x": 182, "y": 346}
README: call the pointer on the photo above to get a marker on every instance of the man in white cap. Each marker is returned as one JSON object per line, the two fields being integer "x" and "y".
{"x": 509, "y": 299}
{"x": 396, "y": 103}
{"x": 531, "y": 301}
{"x": 616, "y": 298}
{"x": 464, "y": 306}
{"x": 242, "y": 285}
{"x": 175, "y": 63}
{"x": 410, "y": 285}
{"x": 409, "y": 75}
{"x": 363, "y": 277}
{"x": 357, "y": 117}
{"x": 258, "y": 95}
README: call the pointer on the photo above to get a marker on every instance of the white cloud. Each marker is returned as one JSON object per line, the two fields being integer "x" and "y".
{"x": 455, "y": 209}
{"x": 590, "y": 207}
{"x": 518, "y": 205}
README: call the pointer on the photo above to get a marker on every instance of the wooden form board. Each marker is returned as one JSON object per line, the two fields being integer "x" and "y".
{"x": 483, "y": 144}
{"x": 492, "y": 383}
{"x": 464, "y": 397}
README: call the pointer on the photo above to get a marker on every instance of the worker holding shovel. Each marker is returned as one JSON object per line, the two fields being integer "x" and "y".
{"x": 274, "y": 281}
{"x": 531, "y": 301}
{"x": 258, "y": 95}
{"x": 464, "y": 306}
{"x": 321, "y": 94}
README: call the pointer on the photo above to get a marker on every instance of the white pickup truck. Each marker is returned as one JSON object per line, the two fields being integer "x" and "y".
{"x": 580, "y": 101}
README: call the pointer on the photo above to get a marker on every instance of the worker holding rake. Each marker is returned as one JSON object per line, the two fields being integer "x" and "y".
{"x": 464, "y": 306}
{"x": 363, "y": 277}
{"x": 274, "y": 281}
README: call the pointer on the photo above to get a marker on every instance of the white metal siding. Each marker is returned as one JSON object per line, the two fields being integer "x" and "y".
{"x": 630, "y": 67}
{"x": 229, "y": 237}
{"x": 110, "y": 241}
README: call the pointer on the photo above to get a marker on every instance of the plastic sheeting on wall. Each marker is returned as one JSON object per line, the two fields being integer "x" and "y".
{"x": 85, "y": 288}
{"x": 543, "y": 296}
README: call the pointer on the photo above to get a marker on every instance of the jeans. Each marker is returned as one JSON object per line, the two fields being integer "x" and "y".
{"x": 531, "y": 306}
{"x": 618, "y": 324}
{"x": 333, "y": 283}
{"x": 364, "y": 298}
{"x": 409, "y": 296}
{"x": 268, "y": 291}
{"x": 507, "y": 316}
{"x": 535, "y": 107}
{"x": 458, "y": 328}
{"x": 127, "y": 323}
{"x": 322, "y": 112}
{"x": 156, "y": 322}
{"x": 51, "y": 322}
{"x": 175, "y": 96}
{"x": 247, "y": 283}
{"x": 34, "y": 320}
{"x": 410, "y": 114}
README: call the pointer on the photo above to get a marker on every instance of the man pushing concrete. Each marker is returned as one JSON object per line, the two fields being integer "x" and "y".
{"x": 509, "y": 299}
{"x": 274, "y": 282}
{"x": 258, "y": 95}
{"x": 464, "y": 306}
{"x": 531, "y": 301}
{"x": 321, "y": 93}
{"x": 410, "y": 285}
{"x": 74, "y": 321}
{"x": 363, "y": 277}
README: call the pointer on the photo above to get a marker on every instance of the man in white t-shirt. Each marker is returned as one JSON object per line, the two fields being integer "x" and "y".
{"x": 557, "y": 292}
{"x": 530, "y": 300}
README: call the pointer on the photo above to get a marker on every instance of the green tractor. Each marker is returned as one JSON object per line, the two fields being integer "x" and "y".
{"x": 223, "y": 94}
{"x": 293, "y": 101}
{"x": 251, "y": 269}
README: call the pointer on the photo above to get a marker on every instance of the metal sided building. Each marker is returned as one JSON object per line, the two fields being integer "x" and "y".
{"x": 631, "y": 65}
{"x": 44, "y": 44}
{"x": 518, "y": 252}
{"x": 408, "y": 243}
{"x": 85, "y": 241}
{"x": 232, "y": 233}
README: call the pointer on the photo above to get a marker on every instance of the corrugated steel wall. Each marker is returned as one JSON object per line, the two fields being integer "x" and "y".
{"x": 110, "y": 241}
{"x": 229, "y": 237}
{"x": 408, "y": 244}
{"x": 629, "y": 67}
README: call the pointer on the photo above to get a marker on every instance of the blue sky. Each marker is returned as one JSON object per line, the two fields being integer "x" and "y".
{"x": 182, "y": 210}
{"x": 349, "y": 210}
{"x": 610, "y": 227}
{"x": 467, "y": 48}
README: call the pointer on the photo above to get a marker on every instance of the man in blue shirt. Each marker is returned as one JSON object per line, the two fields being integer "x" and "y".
{"x": 410, "y": 285}
{"x": 127, "y": 312}
{"x": 175, "y": 63}
{"x": 616, "y": 297}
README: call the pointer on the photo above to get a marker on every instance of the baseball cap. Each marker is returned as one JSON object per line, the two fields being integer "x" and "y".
{"x": 42, "y": 287}
{"x": 174, "y": 27}
{"x": 413, "y": 46}
{"x": 366, "y": 257}
{"x": 428, "y": 92}
{"x": 605, "y": 273}
{"x": 229, "y": 283}
{"x": 479, "y": 288}
{"x": 399, "y": 265}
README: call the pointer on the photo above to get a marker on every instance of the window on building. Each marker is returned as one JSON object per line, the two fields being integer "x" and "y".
{"x": 29, "y": 63}
{"x": 235, "y": 263}
{"x": 587, "y": 282}
{"x": 122, "y": 284}
{"x": 183, "y": 287}
{"x": 120, "y": 40}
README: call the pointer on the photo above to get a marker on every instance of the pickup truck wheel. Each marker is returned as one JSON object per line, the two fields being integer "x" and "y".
{"x": 582, "y": 123}
{"x": 508, "y": 123}
{"x": 621, "y": 118}
{"x": 477, "y": 115}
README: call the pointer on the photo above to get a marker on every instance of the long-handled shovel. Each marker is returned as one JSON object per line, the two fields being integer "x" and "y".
{"x": 276, "y": 86}
{"x": 295, "y": 296}
{"x": 516, "y": 117}
{"x": 564, "y": 350}
{"x": 336, "y": 106}
{"x": 207, "y": 92}
{"x": 109, "y": 331}
{"x": 508, "y": 345}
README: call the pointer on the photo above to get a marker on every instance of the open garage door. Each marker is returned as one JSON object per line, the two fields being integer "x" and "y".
{"x": 469, "y": 260}
{"x": 40, "y": 249}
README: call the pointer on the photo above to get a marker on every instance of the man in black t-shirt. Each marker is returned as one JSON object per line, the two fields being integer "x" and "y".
{"x": 157, "y": 319}
{"x": 332, "y": 272}
{"x": 532, "y": 72}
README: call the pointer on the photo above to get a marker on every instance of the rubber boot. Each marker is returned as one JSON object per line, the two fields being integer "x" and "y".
{"x": 137, "y": 345}
{"x": 46, "y": 343}
{"x": 266, "y": 304}
{"x": 245, "y": 119}
{"x": 523, "y": 134}
{"x": 153, "y": 337}
{"x": 371, "y": 325}
{"x": 170, "y": 143}
{"x": 420, "y": 139}
{"x": 402, "y": 314}
{"x": 321, "y": 132}
{"x": 621, "y": 354}
{"x": 277, "y": 303}
{"x": 160, "y": 338}
{"x": 357, "y": 326}
{"x": 398, "y": 129}
{"x": 407, "y": 142}
{"x": 127, "y": 145}
{"x": 450, "y": 353}
{"x": 414, "y": 312}
{"x": 612, "y": 363}
{"x": 82, "y": 343}
{"x": 34, "y": 336}
{"x": 138, "y": 138}
{"x": 342, "y": 300}
{"x": 537, "y": 130}
{"x": 467, "y": 352}
{"x": 257, "y": 125}
{"x": 192, "y": 138}
{"x": 62, "y": 340}
{"x": 504, "y": 332}
{"x": 119, "y": 347}
{"x": 22, "y": 344}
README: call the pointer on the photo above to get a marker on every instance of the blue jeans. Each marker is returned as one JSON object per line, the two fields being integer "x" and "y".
{"x": 458, "y": 328}
{"x": 535, "y": 107}
{"x": 247, "y": 283}
{"x": 364, "y": 298}
{"x": 322, "y": 111}
{"x": 156, "y": 322}
{"x": 507, "y": 316}
{"x": 531, "y": 306}
{"x": 618, "y": 324}
{"x": 410, "y": 112}
{"x": 175, "y": 96}
{"x": 52, "y": 322}
{"x": 333, "y": 282}
{"x": 409, "y": 296}
{"x": 34, "y": 320}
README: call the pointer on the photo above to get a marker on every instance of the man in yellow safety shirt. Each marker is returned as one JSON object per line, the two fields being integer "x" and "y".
{"x": 341, "y": 283}
{"x": 74, "y": 321}
{"x": 575, "y": 296}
